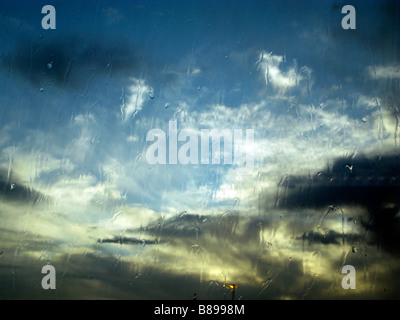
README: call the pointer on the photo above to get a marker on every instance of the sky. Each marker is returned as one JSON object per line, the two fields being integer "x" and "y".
{"x": 78, "y": 192}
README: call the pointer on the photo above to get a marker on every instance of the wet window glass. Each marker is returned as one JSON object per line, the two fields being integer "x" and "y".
{"x": 199, "y": 150}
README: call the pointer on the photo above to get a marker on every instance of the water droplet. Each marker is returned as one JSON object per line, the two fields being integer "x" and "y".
{"x": 50, "y": 65}
{"x": 166, "y": 106}
{"x": 364, "y": 120}
{"x": 264, "y": 285}
{"x": 196, "y": 249}
{"x": 151, "y": 93}
{"x": 354, "y": 248}
{"x": 116, "y": 215}
{"x": 182, "y": 214}
{"x": 41, "y": 89}
{"x": 350, "y": 167}
{"x": 12, "y": 186}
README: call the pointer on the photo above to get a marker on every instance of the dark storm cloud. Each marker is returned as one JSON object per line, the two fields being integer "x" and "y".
{"x": 93, "y": 277}
{"x": 220, "y": 239}
{"x": 331, "y": 237}
{"x": 12, "y": 190}
{"x": 90, "y": 276}
{"x": 70, "y": 61}
{"x": 127, "y": 240}
{"x": 373, "y": 184}
{"x": 359, "y": 181}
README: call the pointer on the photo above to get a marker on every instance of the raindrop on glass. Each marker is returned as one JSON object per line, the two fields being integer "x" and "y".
{"x": 151, "y": 94}
{"x": 350, "y": 167}
{"x": 182, "y": 214}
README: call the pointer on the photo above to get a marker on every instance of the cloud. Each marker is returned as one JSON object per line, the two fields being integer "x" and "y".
{"x": 274, "y": 75}
{"x": 128, "y": 240}
{"x": 330, "y": 237}
{"x": 132, "y": 139}
{"x": 13, "y": 190}
{"x": 373, "y": 184}
{"x": 384, "y": 72}
{"x": 349, "y": 180}
{"x": 138, "y": 93}
{"x": 69, "y": 62}
{"x": 282, "y": 230}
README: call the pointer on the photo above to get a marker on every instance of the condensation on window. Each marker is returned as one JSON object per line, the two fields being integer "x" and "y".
{"x": 200, "y": 150}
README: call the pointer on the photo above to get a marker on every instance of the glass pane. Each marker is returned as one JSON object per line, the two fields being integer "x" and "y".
{"x": 207, "y": 149}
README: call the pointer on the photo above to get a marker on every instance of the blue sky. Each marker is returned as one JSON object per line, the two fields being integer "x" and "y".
{"x": 76, "y": 104}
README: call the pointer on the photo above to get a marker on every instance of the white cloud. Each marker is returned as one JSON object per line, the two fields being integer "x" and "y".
{"x": 195, "y": 71}
{"x": 138, "y": 94}
{"x": 280, "y": 80}
{"x": 81, "y": 118}
{"x": 384, "y": 72}
{"x": 132, "y": 138}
